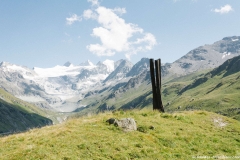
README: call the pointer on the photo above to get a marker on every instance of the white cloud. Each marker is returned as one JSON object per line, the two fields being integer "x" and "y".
{"x": 89, "y": 14}
{"x": 223, "y": 10}
{"x": 149, "y": 39}
{"x": 94, "y": 2}
{"x": 73, "y": 19}
{"x": 117, "y": 36}
{"x": 100, "y": 50}
{"x": 119, "y": 11}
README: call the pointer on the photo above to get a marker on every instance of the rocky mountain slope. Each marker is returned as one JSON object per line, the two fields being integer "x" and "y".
{"x": 119, "y": 72}
{"x": 204, "y": 57}
{"x": 217, "y": 90}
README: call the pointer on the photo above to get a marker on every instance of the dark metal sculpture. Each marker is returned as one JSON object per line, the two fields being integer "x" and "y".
{"x": 156, "y": 84}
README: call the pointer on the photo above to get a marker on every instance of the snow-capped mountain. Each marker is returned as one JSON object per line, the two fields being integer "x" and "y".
{"x": 120, "y": 71}
{"x": 139, "y": 67}
{"x": 53, "y": 86}
{"x": 86, "y": 63}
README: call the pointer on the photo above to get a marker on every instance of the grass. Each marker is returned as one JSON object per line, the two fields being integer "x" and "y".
{"x": 159, "y": 136}
{"x": 218, "y": 94}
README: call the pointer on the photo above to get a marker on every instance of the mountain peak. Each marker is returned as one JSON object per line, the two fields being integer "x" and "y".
{"x": 139, "y": 67}
{"x": 120, "y": 71}
{"x": 86, "y": 63}
{"x": 67, "y": 64}
{"x": 4, "y": 63}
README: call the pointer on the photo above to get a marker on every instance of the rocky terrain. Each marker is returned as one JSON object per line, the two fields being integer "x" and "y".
{"x": 204, "y": 57}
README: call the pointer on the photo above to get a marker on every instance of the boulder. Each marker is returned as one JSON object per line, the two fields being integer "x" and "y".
{"x": 127, "y": 124}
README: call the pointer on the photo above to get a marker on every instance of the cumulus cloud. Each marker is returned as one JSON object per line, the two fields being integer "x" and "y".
{"x": 73, "y": 19}
{"x": 116, "y": 35}
{"x": 223, "y": 10}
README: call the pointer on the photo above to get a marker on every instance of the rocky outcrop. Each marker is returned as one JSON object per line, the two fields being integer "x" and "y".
{"x": 127, "y": 124}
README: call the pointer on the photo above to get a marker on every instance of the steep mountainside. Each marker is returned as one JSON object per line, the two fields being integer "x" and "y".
{"x": 120, "y": 72}
{"x": 217, "y": 90}
{"x": 204, "y": 57}
{"x": 17, "y": 115}
{"x": 139, "y": 67}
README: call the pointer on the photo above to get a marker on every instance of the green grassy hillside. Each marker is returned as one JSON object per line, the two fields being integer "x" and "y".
{"x": 217, "y": 91}
{"x": 182, "y": 135}
{"x": 17, "y": 115}
{"x": 136, "y": 97}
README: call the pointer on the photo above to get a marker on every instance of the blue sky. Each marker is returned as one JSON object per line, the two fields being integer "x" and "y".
{"x": 48, "y": 33}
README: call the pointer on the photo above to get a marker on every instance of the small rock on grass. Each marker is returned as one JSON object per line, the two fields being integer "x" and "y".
{"x": 127, "y": 124}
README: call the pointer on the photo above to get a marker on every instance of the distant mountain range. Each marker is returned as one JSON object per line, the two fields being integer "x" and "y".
{"x": 65, "y": 88}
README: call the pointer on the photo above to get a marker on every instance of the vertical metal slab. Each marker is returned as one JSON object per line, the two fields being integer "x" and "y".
{"x": 153, "y": 84}
{"x": 157, "y": 83}
{"x": 160, "y": 85}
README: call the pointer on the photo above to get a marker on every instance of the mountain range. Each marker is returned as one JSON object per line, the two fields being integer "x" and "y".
{"x": 109, "y": 85}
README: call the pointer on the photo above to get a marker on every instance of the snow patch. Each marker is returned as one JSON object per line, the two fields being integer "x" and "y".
{"x": 56, "y": 71}
{"x": 226, "y": 54}
{"x": 60, "y": 70}
{"x": 16, "y": 68}
{"x": 235, "y": 40}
